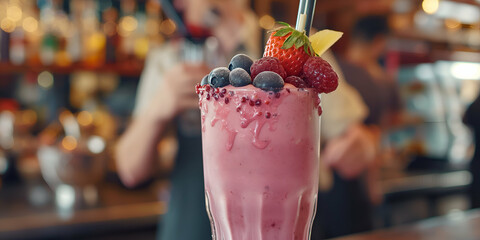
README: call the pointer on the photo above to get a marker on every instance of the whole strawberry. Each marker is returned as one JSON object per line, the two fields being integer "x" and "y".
{"x": 319, "y": 74}
{"x": 291, "y": 47}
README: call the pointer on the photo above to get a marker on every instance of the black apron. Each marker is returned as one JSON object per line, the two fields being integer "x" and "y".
{"x": 186, "y": 218}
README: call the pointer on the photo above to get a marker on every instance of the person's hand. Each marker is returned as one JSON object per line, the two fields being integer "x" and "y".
{"x": 177, "y": 90}
{"x": 352, "y": 153}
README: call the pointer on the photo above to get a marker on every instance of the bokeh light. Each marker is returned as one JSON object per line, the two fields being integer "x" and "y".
{"x": 430, "y": 6}
{"x": 30, "y": 24}
{"x": 65, "y": 196}
{"x": 96, "y": 144}
{"x": 45, "y": 79}
{"x": 168, "y": 27}
{"x": 128, "y": 24}
{"x": 14, "y": 13}
{"x": 84, "y": 118}
{"x": 266, "y": 22}
{"x": 69, "y": 143}
{"x": 7, "y": 25}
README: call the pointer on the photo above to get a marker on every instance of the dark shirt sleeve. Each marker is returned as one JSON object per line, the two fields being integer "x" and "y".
{"x": 472, "y": 115}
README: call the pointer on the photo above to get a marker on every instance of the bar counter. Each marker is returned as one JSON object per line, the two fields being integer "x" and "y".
{"x": 455, "y": 226}
{"x": 30, "y": 212}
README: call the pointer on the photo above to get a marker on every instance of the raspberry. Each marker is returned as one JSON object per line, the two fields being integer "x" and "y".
{"x": 319, "y": 75}
{"x": 296, "y": 81}
{"x": 267, "y": 64}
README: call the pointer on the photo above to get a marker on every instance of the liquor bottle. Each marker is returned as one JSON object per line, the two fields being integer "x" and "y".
{"x": 17, "y": 47}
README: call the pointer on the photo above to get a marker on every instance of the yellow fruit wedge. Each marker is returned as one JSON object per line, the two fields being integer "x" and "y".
{"x": 323, "y": 40}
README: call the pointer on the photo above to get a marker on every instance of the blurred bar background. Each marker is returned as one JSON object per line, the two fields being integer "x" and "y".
{"x": 69, "y": 70}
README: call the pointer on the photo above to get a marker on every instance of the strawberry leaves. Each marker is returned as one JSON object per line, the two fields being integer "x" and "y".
{"x": 284, "y": 24}
{"x": 296, "y": 39}
{"x": 283, "y": 32}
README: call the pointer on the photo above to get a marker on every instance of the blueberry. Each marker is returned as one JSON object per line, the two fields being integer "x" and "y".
{"x": 239, "y": 77}
{"x": 241, "y": 61}
{"x": 219, "y": 77}
{"x": 269, "y": 81}
{"x": 204, "y": 80}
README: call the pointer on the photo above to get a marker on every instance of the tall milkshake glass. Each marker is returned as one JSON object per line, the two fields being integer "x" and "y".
{"x": 261, "y": 161}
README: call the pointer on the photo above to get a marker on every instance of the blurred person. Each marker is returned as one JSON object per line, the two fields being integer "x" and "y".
{"x": 472, "y": 119}
{"x": 362, "y": 65}
{"x": 166, "y": 94}
{"x": 347, "y": 207}
{"x": 344, "y": 204}
{"x": 379, "y": 91}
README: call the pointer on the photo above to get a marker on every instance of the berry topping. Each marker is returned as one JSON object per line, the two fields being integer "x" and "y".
{"x": 296, "y": 81}
{"x": 241, "y": 61}
{"x": 204, "y": 80}
{"x": 239, "y": 77}
{"x": 291, "y": 47}
{"x": 319, "y": 75}
{"x": 269, "y": 81}
{"x": 219, "y": 77}
{"x": 267, "y": 64}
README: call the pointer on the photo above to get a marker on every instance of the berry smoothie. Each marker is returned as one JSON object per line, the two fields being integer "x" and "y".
{"x": 260, "y": 151}
{"x": 260, "y": 136}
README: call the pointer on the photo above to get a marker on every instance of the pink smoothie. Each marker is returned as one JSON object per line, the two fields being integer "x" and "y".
{"x": 260, "y": 152}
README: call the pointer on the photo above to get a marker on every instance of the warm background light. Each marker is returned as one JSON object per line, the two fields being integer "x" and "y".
{"x": 430, "y": 6}
{"x": 69, "y": 143}
{"x": 30, "y": 24}
{"x": 168, "y": 27}
{"x": 84, "y": 118}
{"x": 452, "y": 24}
{"x": 127, "y": 25}
{"x": 14, "y": 13}
{"x": 45, "y": 79}
{"x": 29, "y": 117}
{"x": 266, "y": 22}
{"x": 7, "y": 25}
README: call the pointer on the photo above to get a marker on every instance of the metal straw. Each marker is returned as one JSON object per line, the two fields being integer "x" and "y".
{"x": 306, "y": 10}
